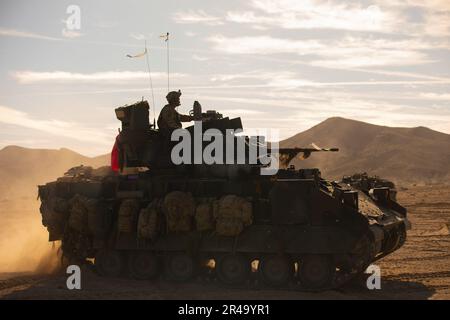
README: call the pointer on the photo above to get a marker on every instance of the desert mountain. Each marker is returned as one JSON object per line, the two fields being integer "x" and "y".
{"x": 22, "y": 169}
{"x": 401, "y": 154}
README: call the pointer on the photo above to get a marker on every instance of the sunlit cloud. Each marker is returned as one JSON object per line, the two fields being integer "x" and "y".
{"x": 25, "y": 34}
{"x": 383, "y": 16}
{"x": 435, "y": 96}
{"x": 55, "y": 127}
{"x": 347, "y": 52}
{"x": 263, "y": 45}
{"x": 308, "y": 14}
{"x": 306, "y": 112}
{"x": 391, "y": 73}
{"x": 28, "y": 77}
{"x": 256, "y": 74}
{"x": 197, "y": 16}
{"x": 435, "y": 16}
{"x": 286, "y": 64}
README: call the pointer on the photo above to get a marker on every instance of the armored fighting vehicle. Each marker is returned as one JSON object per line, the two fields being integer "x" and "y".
{"x": 155, "y": 216}
{"x": 365, "y": 182}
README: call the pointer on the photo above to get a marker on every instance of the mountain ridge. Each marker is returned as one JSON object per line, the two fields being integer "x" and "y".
{"x": 417, "y": 154}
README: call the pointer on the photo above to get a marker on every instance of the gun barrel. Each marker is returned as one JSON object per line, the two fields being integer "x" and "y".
{"x": 298, "y": 150}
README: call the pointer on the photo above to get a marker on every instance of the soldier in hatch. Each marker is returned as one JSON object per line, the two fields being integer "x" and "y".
{"x": 169, "y": 119}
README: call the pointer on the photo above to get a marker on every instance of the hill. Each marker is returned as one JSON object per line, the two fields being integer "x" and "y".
{"x": 402, "y": 154}
{"x": 22, "y": 169}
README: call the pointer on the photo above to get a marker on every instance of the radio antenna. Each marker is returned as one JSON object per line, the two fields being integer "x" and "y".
{"x": 145, "y": 53}
{"x": 150, "y": 79}
{"x": 166, "y": 39}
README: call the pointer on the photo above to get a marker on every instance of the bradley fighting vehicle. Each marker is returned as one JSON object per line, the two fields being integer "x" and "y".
{"x": 362, "y": 181}
{"x": 153, "y": 217}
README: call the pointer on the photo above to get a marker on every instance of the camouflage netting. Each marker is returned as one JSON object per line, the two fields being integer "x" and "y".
{"x": 232, "y": 213}
{"x": 204, "y": 215}
{"x": 230, "y": 227}
{"x": 128, "y": 213}
{"x": 97, "y": 216}
{"x": 147, "y": 227}
{"x": 78, "y": 218}
{"x": 54, "y": 211}
{"x": 179, "y": 209}
{"x": 81, "y": 173}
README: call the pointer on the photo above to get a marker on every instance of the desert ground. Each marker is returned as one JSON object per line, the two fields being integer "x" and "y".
{"x": 419, "y": 270}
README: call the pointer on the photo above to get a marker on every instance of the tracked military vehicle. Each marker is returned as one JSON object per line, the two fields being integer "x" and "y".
{"x": 153, "y": 217}
{"x": 365, "y": 182}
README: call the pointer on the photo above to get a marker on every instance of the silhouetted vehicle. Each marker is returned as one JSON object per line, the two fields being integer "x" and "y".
{"x": 154, "y": 217}
{"x": 362, "y": 181}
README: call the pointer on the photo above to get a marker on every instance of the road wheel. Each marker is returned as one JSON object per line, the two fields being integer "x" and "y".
{"x": 143, "y": 265}
{"x": 109, "y": 263}
{"x": 363, "y": 253}
{"x": 276, "y": 270}
{"x": 180, "y": 267}
{"x": 316, "y": 271}
{"x": 233, "y": 269}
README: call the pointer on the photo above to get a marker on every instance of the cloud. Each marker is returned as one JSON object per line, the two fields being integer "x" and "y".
{"x": 293, "y": 114}
{"x": 390, "y": 114}
{"x": 393, "y": 73}
{"x": 439, "y": 5}
{"x": 380, "y": 16}
{"x": 339, "y": 53}
{"x": 257, "y": 74}
{"x": 309, "y": 14}
{"x": 290, "y": 80}
{"x": 368, "y": 57}
{"x": 263, "y": 45}
{"x": 282, "y": 79}
{"x": 386, "y": 16}
{"x": 435, "y": 96}
{"x": 435, "y": 17}
{"x": 25, "y": 34}
{"x": 28, "y": 77}
{"x": 437, "y": 23}
{"x": 197, "y": 16}
{"x": 55, "y": 127}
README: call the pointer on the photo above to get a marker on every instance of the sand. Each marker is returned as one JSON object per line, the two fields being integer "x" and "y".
{"x": 420, "y": 270}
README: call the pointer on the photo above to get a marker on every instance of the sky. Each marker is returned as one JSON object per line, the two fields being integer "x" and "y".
{"x": 286, "y": 64}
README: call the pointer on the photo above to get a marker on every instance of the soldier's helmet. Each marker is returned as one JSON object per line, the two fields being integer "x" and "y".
{"x": 173, "y": 96}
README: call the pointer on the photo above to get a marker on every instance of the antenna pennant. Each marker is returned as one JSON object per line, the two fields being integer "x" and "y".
{"x": 139, "y": 55}
{"x": 165, "y": 36}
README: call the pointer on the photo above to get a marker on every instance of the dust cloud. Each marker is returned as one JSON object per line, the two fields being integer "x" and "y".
{"x": 24, "y": 245}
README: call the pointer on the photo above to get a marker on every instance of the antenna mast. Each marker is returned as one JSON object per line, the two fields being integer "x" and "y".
{"x": 150, "y": 78}
{"x": 140, "y": 55}
{"x": 166, "y": 39}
